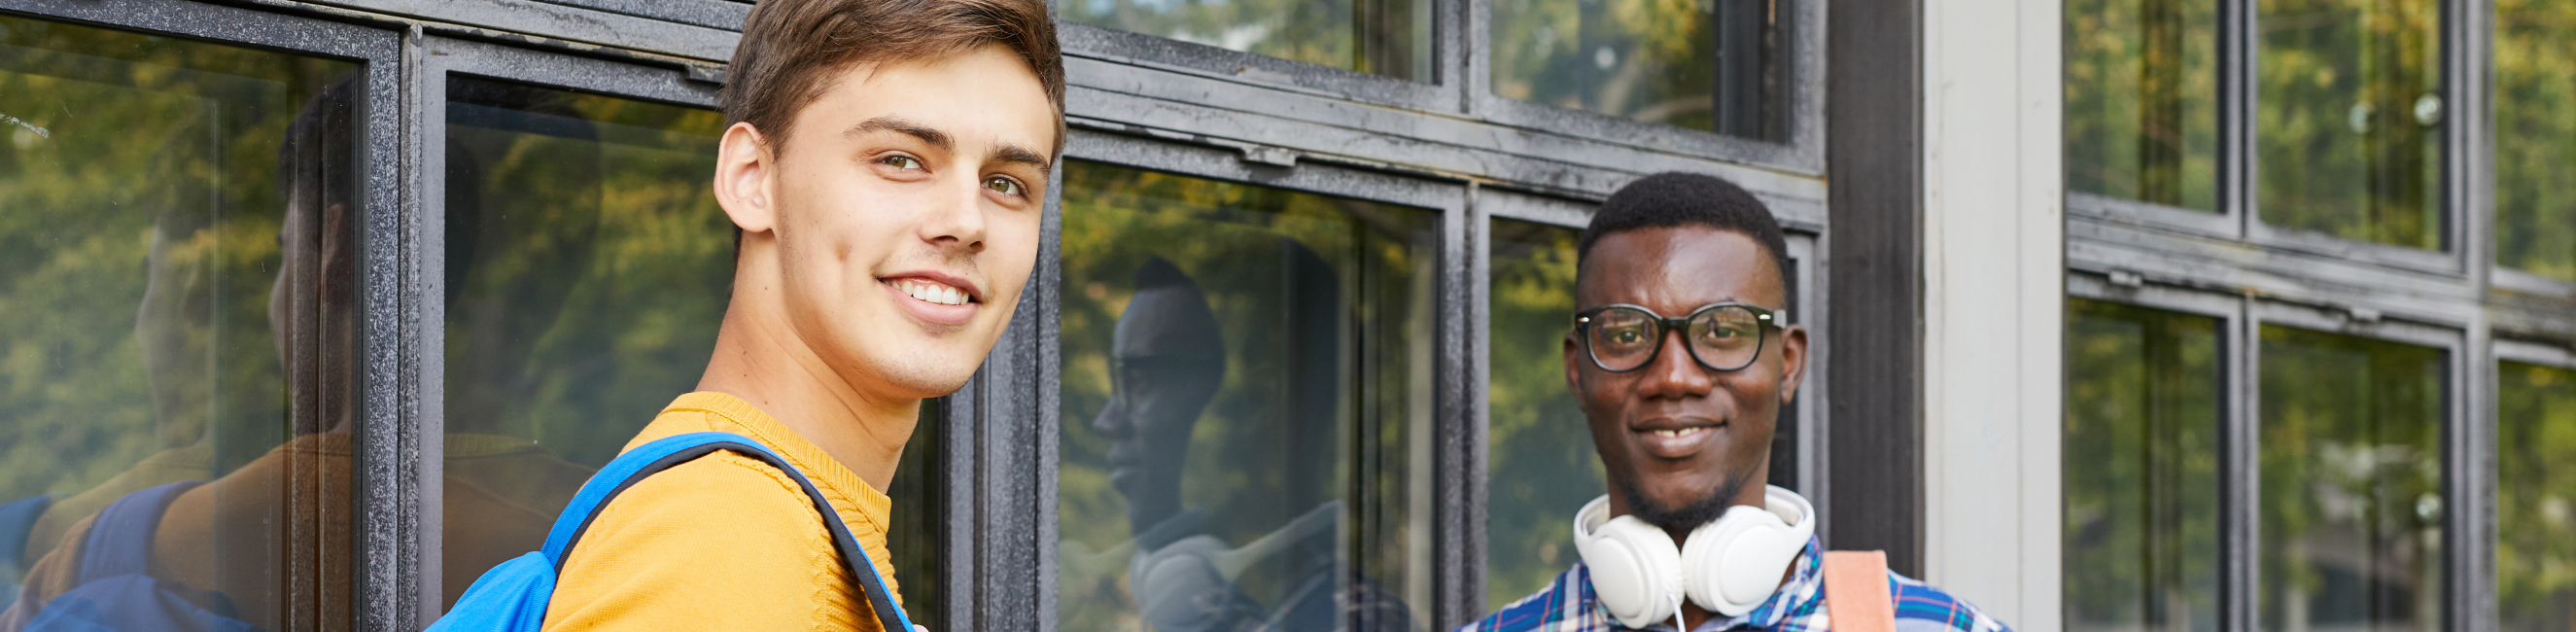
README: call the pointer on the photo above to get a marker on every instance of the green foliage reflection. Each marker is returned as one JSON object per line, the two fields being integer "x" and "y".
{"x": 2348, "y": 130}
{"x": 2535, "y": 497}
{"x": 1387, "y": 37}
{"x": 2351, "y": 481}
{"x": 2141, "y": 100}
{"x": 2535, "y": 136}
{"x": 1541, "y": 465}
{"x": 2142, "y": 422}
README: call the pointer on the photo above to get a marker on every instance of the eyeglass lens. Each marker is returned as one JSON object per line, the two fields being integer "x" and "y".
{"x": 1625, "y": 338}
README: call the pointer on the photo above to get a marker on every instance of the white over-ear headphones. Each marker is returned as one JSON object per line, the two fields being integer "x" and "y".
{"x": 1728, "y": 566}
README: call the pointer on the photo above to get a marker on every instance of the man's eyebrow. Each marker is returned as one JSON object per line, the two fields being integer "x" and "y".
{"x": 1009, "y": 154}
{"x": 900, "y": 125}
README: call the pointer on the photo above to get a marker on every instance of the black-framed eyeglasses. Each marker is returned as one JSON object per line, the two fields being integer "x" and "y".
{"x": 1721, "y": 336}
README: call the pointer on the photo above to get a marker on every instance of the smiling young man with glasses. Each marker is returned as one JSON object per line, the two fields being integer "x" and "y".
{"x": 1680, "y": 356}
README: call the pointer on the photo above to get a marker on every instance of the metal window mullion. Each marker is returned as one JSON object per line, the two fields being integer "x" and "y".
{"x": 398, "y": 455}
{"x": 2240, "y": 469}
{"x": 1002, "y": 520}
{"x": 1466, "y": 309}
{"x": 2236, "y": 98}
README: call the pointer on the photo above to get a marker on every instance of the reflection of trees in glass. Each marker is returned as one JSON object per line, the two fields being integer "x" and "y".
{"x": 1702, "y": 64}
{"x": 2141, "y": 100}
{"x": 2535, "y": 497}
{"x": 2142, "y": 421}
{"x": 2348, "y": 123}
{"x": 2535, "y": 135}
{"x": 1541, "y": 463}
{"x": 1387, "y": 37}
{"x": 2351, "y": 460}
{"x": 1252, "y": 466}
{"x": 138, "y": 245}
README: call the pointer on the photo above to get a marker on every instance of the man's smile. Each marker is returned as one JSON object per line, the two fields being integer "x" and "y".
{"x": 1668, "y": 439}
{"x": 936, "y": 298}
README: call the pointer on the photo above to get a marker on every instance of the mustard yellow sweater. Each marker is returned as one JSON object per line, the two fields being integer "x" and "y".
{"x": 723, "y": 542}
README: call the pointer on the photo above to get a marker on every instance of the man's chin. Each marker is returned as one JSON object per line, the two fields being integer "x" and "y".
{"x": 1682, "y": 512}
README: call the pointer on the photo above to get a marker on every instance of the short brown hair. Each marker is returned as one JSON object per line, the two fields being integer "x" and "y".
{"x": 790, "y": 48}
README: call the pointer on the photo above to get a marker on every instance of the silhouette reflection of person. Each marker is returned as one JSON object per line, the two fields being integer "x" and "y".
{"x": 1167, "y": 362}
{"x": 267, "y": 543}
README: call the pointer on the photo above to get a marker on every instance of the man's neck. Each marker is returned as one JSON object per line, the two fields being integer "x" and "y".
{"x": 759, "y": 359}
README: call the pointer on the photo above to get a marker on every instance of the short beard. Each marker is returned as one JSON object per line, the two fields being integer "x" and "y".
{"x": 1690, "y": 516}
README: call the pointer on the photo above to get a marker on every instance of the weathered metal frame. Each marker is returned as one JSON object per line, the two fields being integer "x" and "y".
{"x": 388, "y": 488}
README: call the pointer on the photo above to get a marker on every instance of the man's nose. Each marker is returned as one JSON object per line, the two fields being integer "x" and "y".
{"x": 1674, "y": 374}
{"x": 1112, "y": 420}
{"x": 955, "y": 218}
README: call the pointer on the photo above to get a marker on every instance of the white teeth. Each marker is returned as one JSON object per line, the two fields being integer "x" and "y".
{"x": 1673, "y": 432}
{"x": 933, "y": 292}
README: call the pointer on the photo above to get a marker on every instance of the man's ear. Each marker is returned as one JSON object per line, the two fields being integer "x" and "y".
{"x": 744, "y": 167}
{"x": 1573, "y": 372}
{"x": 1793, "y": 362}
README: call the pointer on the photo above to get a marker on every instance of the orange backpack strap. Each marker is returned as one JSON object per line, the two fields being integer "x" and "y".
{"x": 1856, "y": 598}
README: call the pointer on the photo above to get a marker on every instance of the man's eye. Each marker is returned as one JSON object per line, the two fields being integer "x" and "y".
{"x": 900, "y": 162}
{"x": 1005, "y": 186}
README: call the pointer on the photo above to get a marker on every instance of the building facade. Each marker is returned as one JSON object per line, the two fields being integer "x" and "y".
{"x": 2128, "y": 315}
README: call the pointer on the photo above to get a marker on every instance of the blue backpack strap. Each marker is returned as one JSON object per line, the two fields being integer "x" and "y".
{"x": 120, "y": 539}
{"x": 661, "y": 454}
{"x": 17, "y": 521}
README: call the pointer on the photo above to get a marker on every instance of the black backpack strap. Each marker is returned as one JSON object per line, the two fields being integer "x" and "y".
{"x": 671, "y": 451}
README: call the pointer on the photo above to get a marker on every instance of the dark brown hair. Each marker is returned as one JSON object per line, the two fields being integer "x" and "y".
{"x": 791, "y": 49}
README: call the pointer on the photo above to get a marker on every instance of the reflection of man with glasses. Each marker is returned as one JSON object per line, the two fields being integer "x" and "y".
{"x": 1681, "y": 357}
{"x": 1167, "y": 362}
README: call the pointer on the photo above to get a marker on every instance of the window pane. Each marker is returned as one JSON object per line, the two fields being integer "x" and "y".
{"x": 178, "y": 314}
{"x": 1716, "y": 65}
{"x": 2349, "y": 121}
{"x": 1247, "y": 407}
{"x": 588, "y": 268}
{"x": 2351, "y": 483}
{"x": 1387, "y": 37}
{"x": 2142, "y": 423}
{"x": 1541, "y": 465}
{"x": 2535, "y": 138}
{"x": 2142, "y": 100}
{"x": 2535, "y": 497}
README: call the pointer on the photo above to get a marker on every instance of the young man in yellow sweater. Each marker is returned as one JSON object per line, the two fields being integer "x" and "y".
{"x": 886, "y": 165}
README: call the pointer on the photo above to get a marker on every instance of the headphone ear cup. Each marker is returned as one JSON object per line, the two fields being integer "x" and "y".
{"x": 1735, "y": 563}
{"x": 1636, "y": 570}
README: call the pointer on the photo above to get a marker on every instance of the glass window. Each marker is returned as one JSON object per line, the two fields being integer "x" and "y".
{"x": 2142, "y": 423}
{"x": 2351, "y": 483}
{"x": 1386, "y": 37}
{"x": 2349, "y": 121}
{"x": 588, "y": 268}
{"x": 2535, "y": 160}
{"x": 2142, "y": 100}
{"x": 1540, "y": 464}
{"x": 1247, "y": 407}
{"x": 178, "y": 321}
{"x": 1715, "y": 65}
{"x": 2535, "y": 497}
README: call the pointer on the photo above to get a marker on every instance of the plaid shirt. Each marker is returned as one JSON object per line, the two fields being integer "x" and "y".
{"x": 1567, "y": 605}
